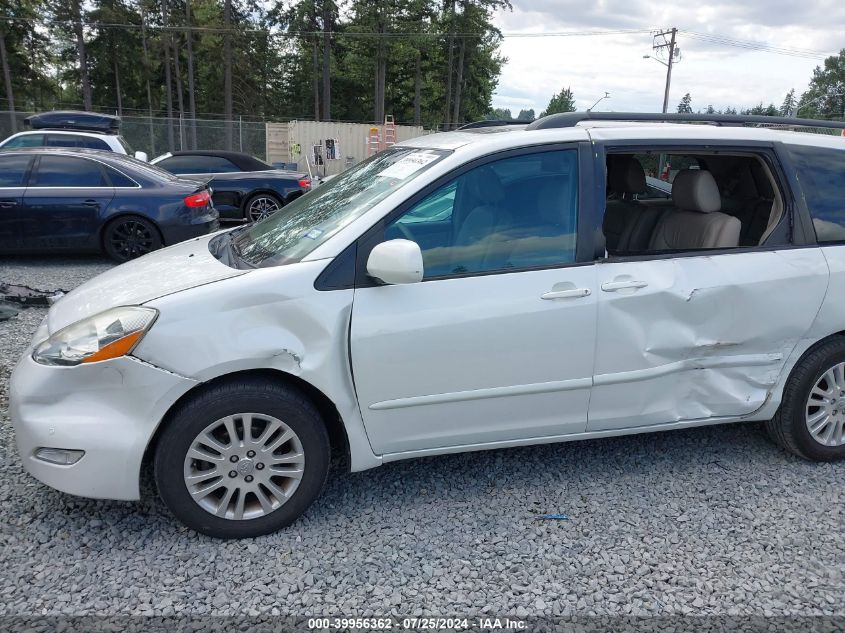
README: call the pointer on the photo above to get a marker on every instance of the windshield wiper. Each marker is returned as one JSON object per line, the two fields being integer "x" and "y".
{"x": 223, "y": 247}
{"x": 236, "y": 251}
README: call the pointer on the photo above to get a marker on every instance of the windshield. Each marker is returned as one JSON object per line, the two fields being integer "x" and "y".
{"x": 310, "y": 220}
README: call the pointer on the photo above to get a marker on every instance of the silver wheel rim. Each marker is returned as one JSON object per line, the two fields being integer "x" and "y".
{"x": 825, "y": 411}
{"x": 244, "y": 466}
{"x": 262, "y": 207}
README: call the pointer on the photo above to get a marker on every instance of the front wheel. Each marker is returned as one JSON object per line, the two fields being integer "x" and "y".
{"x": 242, "y": 459}
{"x": 811, "y": 420}
{"x": 261, "y": 206}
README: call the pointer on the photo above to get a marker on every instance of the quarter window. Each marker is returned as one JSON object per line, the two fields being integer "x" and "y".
{"x": 118, "y": 179}
{"x": 822, "y": 175}
{"x": 64, "y": 171}
{"x": 13, "y": 170}
{"x": 511, "y": 214}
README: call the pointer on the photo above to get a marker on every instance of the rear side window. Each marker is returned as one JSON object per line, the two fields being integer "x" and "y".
{"x": 25, "y": 140}
{"x": 13, "y": 170}
{"x": 76, "y": 140}
{"x": 197, "y": 165}
{"x": 93, "y": 143}
{"x": 821, "y": 172}
{"x": 62, "y": 140}
{"x": 65, "y": 171}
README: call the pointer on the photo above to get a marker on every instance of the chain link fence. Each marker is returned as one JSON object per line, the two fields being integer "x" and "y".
{"x": 157, "y": 135}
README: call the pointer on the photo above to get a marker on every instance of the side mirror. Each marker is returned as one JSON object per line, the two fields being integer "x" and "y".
{"x": 396, "y": 262}
{"x": 142, "y": 156}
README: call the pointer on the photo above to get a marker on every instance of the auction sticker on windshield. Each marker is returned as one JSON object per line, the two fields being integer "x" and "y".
{"x": 409, "y": 164}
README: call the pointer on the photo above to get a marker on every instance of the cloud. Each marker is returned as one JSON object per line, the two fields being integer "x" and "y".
{"x": 712, "y": 72}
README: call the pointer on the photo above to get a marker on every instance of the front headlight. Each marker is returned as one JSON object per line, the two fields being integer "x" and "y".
{"x": 107, "y": 335}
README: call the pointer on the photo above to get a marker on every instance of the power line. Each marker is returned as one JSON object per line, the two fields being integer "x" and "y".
{"x": 290, "y": 33}
{"x": 711, "y": 38}
{"x": 724, "y": 40}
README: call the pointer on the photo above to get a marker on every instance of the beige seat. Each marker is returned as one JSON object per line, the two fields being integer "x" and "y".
{"x": 696, "y": 222}
{"x": 625, "y": 177}
{"x": 483, "y": 197}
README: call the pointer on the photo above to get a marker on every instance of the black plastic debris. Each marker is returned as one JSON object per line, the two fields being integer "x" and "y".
{"x": 25, "y": 296}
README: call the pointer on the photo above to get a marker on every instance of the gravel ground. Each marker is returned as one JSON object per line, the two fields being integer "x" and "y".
{"x": 706, "y": 521}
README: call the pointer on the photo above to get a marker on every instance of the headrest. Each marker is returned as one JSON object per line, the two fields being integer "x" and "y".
{"x": 483, "y": 186}
{"x": 696, "y": 190}
{"x": 553, "y": 200}
{"x": 625, "y": 174}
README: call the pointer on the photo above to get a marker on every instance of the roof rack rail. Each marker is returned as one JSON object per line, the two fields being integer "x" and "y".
{"x": 571, "y": 119}
{"x": 490, "y": 123}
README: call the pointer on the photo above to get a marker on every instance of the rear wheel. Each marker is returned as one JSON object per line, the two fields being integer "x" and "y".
{"x": 260, "y": 206}
{"x": 242, "y": 459}
{"x": 129, "y": 237}
{"x": 811, "y": 420}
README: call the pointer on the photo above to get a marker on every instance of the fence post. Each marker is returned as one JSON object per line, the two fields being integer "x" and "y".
{"x": 241, "y": 132}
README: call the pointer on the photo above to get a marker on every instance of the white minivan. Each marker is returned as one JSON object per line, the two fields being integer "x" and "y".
{"x": 478, "y": 289}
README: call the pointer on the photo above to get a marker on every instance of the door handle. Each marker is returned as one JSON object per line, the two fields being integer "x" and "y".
{"x": 91, "y": 203}
{"x": 572, "y": 293}
{"x": 613, "y": 286}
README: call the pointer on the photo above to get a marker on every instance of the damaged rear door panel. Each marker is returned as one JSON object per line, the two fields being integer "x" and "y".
{"x": 695, "y": 337}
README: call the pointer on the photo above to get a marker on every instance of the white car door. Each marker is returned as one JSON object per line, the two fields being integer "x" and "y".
{"x": 496, "y": 343}
{"x": 699, "y": 335}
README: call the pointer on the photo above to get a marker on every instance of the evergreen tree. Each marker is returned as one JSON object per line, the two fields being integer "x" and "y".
{"x": 564, "y": 101}
{"x": 789, "y": 103}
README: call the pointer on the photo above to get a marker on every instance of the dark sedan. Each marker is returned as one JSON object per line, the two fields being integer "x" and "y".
{"x": 54, "y": 199}
{"x": 244, "y": 187}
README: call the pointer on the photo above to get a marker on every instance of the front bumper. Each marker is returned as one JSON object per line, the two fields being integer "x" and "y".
{"x": 108, "y": 409}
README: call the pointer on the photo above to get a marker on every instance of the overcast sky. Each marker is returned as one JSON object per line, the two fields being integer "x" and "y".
{"x": 712, "y": 74}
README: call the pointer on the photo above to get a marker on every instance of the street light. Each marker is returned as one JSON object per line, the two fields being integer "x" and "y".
{"x": 655, "y": 59}
{"x": 606, "y": 96}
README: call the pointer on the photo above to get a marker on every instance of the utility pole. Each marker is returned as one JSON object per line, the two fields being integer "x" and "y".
{"x": 659, "y": 45}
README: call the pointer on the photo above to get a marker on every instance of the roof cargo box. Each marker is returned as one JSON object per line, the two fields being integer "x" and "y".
{"x": 71, "y": 120}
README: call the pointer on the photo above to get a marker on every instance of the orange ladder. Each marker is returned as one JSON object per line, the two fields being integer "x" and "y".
{"x": 389, "y": 131}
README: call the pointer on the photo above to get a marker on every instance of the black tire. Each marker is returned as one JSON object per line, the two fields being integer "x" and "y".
{"x": 255, "y": 395}
{"x": 130, "y": 236}
{"x": 255, "y": 198}
{"x": 788, "y": 427}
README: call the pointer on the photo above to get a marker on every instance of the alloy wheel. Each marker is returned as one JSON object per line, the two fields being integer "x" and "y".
{"x": 131, "y": 239}
{"x": 262, "y": 207}
{"x": 825, "y": 410}
{"x": 244, "y": 466}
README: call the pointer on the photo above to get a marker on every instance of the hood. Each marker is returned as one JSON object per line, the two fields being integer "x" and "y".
{"x": 179, "y": 267}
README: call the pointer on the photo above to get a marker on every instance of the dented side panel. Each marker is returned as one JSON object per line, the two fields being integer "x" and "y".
{"x": 271, "y": 318}
{"x": 706, "y": 337}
